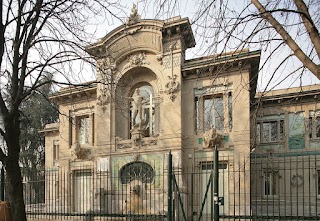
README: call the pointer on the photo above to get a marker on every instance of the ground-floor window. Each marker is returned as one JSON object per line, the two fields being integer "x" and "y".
{"x": 269, "y": 183}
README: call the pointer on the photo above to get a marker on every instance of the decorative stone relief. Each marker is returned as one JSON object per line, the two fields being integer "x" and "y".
{"x": 296, "y": 180}
{"x": 123, "y": 144}
{"x": 136, "y": 157}
{"x": 107, "y": 71}
{"x": 172, "y": 87}
{"x": 149, "y": 141}
{"x": 81, "y": 153}
{"x": 136, "y": 60}
{"x": 212, "y": 138}
{"x": 160, "y": 58}
{"x": 103, "y": 99}
{"x": 134, "y": 16}
{"x": 167, "y": 62}
{"x": 136, "y": 139}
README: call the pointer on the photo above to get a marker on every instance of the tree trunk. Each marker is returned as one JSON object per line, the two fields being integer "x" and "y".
{"x": 13, "y": 171}
{"x": 15, "y": 191}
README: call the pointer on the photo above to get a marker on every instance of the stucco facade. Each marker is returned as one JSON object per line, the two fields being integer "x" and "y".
{"x": 149, "y": 100}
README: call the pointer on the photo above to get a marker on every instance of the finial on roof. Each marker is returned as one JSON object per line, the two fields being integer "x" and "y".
{"x": 134, "y": 16}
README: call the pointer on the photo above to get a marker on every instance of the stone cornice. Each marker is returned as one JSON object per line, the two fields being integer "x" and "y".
{"x": 211, "y": 61}
{"x": 75, "y": 93}
{"x": 292, "y": 97}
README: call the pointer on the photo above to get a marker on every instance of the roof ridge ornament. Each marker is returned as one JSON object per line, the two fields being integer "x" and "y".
{"x": 134, "y": 16}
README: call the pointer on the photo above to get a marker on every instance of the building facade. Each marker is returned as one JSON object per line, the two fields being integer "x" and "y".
{"x": 115, "y": 134}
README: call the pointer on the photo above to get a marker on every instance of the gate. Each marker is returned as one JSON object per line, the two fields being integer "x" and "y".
{"x": 210, "y": 196}
{"x": 254, "y": 186}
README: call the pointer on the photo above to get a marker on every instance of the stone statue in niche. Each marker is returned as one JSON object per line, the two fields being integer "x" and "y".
{"x": 138, "y": 120}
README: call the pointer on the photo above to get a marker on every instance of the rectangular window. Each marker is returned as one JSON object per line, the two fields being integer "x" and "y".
{"x": 270, "y": 129}
{"x": 213, "y": 108}
{"x": 55, "y": 150}
{"x": 314, "y": 124}
{"x": 269, "y": 183}
{"x": 210, "y": 111}
{"x": 230, "y": 110}
{"x": 83, "y": 129}
{"x": 213, "y": 112}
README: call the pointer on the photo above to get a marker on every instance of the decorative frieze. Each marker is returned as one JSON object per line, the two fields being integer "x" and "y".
{"x": 136, "y": 142}
{"x": 136, "y": 60}
{"x": 123, "y": 144}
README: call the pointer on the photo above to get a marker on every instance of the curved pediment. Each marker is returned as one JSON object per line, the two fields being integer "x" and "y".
{"x": 145, "y": 35}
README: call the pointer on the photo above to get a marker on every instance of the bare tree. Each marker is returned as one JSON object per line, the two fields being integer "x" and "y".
{"x": 287, "y": 33}
{"x": 37, "y": 37}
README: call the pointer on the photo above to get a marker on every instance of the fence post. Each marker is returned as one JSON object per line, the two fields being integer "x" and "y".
{"x": 215, "y": 184}
{"x": 169, "y": 215}
{"x": 2, "y": 184}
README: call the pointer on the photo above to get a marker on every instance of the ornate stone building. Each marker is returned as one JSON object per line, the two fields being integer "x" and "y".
{"x": 149, "y": 100}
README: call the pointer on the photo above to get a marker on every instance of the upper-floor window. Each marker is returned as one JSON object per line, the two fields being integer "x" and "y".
{"x": 142, "y": 110}
{"x": 83, "y": 129}
{"x": 212, "y": 110}
{"x": 270, "y": 129}
{"x": 314, "y": 124}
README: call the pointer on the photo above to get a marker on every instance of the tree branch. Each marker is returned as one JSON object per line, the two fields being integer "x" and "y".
{"x": 309, "y": 24}
{"x": 306, "y": 61}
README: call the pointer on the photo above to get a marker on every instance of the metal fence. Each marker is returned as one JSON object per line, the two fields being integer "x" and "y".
{"x": 253, "y": 186}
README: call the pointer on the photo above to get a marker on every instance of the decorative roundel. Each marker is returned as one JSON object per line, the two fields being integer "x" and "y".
{"x": 136, "y": 171}
{"x": 296, "y": 180}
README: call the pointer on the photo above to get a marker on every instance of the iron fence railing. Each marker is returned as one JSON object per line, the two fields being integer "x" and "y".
{"x": 253, "y": 186}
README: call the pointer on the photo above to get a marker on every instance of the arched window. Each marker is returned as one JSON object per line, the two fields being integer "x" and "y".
{"x": 136, "y": 171}
{"x": 142, "y": 109}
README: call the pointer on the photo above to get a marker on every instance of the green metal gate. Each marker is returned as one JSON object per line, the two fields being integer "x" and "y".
{"x": 211, "y": 194}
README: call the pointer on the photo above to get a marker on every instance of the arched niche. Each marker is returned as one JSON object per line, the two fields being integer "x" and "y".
{"x": 136, "y": 103}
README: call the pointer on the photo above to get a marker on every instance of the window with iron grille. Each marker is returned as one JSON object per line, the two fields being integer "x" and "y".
{"x": 137, "y": 171}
